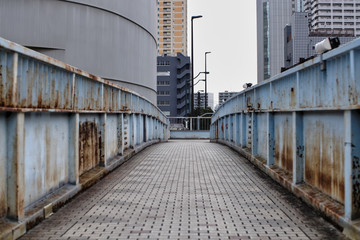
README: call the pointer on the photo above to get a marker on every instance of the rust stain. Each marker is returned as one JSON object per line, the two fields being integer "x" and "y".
{"x": 356, "y": 182}
{"x": 292, "y": 98}
{"x": 283, "y": 146}
{"x": 89, "y": 145}
{"x": 324, "y": 161}
{"x": 222, "y": 127}
{"x": 217, "y": 130}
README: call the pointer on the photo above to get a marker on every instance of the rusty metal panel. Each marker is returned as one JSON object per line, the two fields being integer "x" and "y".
{"x": 3, "y": 166}
{"x": 324, "y": 152}
{"x": 112, "y": 98}
{"x": 88, "y": 94}
{"x": 262, "y": 134}
{"x": 46, "y": 154}
{"x": 43, "y": 86}
{"x": 89, "y": 143}
{"x": 283, "y": 93}
{"x": 6, "y": 78}
{"x": 263, "y": 100}
{"x": 283, "y": 141}
{"x": 112, "y": 133}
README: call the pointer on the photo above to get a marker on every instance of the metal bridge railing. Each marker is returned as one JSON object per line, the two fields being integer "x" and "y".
{"x": 302, "y": 127}
{"x": 60, "y": 128}
{"x": 190, "y": 123}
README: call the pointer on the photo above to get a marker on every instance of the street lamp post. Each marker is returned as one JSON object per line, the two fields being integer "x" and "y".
{"x": 206, "y": 73}
{"x": 192, "y": 62}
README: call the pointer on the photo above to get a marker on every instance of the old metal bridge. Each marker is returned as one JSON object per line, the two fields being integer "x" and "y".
{"x": 62, "y": 130}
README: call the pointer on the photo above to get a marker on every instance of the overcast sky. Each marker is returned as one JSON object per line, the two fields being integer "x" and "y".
{"x": 228, "y": 30}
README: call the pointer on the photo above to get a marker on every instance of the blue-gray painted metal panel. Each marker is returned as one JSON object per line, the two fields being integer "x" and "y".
{"x": 324, "y": 152}
{"x": 283, "y": 140}
{"x": 3, "y": 166}
{"x": 283, "y": 93}
{"x": 43, "y": 86}
{"x": 88, "y": 94}
{"x": 189, "y": 134}
{"x": 262, "y": 134}
{"x": 263, "y": 100}
{"x": 6, "y": 78}
{"x": 112, "y": 138}
{"x": 46, "y": 154}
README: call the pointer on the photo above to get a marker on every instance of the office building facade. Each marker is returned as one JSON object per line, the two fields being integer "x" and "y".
{"x": 173, "y": 89}
{"x": 272, "y": 17}
{"x": 172, "y": 27}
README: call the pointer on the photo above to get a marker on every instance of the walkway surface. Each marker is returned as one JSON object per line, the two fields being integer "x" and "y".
{"x": 185, "y": 190}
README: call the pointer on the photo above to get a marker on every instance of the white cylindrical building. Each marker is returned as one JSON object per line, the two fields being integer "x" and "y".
{"x": 113, "y": 39}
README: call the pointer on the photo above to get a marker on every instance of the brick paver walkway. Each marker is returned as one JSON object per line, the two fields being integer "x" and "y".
{"x": 185, "y": 190}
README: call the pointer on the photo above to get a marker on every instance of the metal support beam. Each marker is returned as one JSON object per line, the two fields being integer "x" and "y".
{"x": 243, "y": 130}
{"x": 352, "y": 164}
{"x": 254, "y": 137}
{"x": 298, "y": 147}
{"x": 74, "y": 149}
{"x": 102, "y": 139}
{"x": 270, "y": 139}
{"x": 15, "y": 166}
{"x": 237, "y": 129}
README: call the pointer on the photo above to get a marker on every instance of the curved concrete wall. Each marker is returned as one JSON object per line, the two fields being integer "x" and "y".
{"x": 113, "y": 39}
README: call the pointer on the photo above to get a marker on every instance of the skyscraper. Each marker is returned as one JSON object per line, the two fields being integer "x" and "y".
{"x": 172, "y": 27}
{"x": 334, "y": 14}
{"x": 272, "y": 17}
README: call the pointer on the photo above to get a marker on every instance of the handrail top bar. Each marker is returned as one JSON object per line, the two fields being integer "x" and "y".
{"x": 12, "y": 46}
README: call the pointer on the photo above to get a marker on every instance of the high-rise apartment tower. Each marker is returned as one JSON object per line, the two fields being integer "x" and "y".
{"x": 172, "y": 27}
{"x": 334, "y": 14}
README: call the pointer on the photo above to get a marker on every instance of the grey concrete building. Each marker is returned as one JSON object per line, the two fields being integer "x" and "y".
{"x": 299, "y": 38}
{"x": 210, "y": 100}
{"x": 224, "y": 96}
{"x": 272, "y": 17}
{"x": 116, "y": 40}
{"x": 334, "y": 14}
{"x": 173, "y": 75}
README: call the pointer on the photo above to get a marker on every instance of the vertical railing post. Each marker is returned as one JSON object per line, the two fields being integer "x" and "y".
{"x": 198, "y": 123}
{"x": 243, "y": 130}
{"x": 16, "y": 166}
{"x": 254, "y": 137}
{"x": 102, "y": 139}
{"x": 270, "y": 139}
{"x": 121, "y": 134}
{"x": 352, "y": 164}
{"x": 298, "y": 147}
{"x": 73, "y": 169}
{"x": 237, "y": 129}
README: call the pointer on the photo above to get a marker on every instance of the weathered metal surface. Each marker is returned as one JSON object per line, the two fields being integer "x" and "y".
{"x": 3, "y": 167}
{"x": 30, "y": 80}
{"x": 89, "y": 147}
{"x": 46, "y": 154}
{"x": 312, "y": 128}
{"x": 324, "y": 153}
{"x": 189, "y": 134}
{"x": 283, "y": 141}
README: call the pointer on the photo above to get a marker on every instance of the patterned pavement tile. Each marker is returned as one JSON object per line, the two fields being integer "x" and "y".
{"x": 185, "y": 190}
